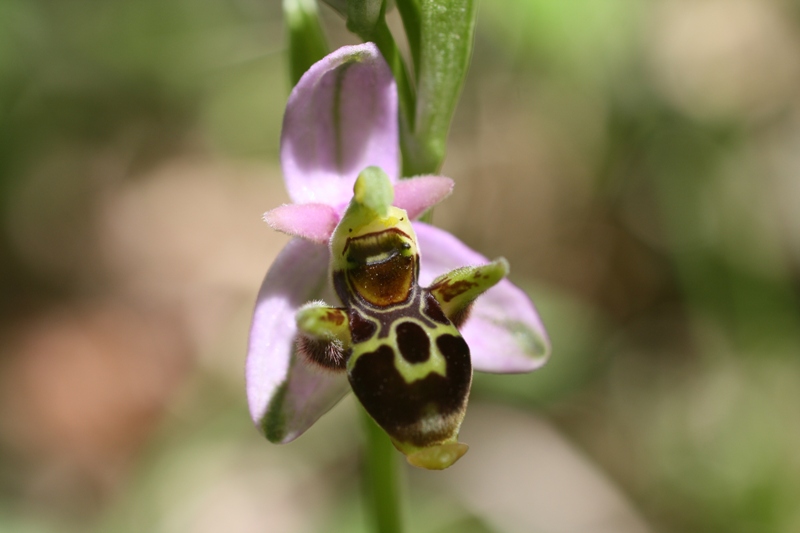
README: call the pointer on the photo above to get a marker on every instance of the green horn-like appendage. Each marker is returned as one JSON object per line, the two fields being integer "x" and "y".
{"x": 374, "y": 191}
{"x": 323, "y": 335}
{"x": 322, "y": 322}
{"x": 457, "y": 290}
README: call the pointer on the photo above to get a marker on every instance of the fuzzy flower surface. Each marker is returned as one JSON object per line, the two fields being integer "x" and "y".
{"x": 340, "y": 119}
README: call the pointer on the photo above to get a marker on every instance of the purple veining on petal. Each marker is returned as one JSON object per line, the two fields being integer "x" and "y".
{"x": 417, "y": 195}
{"x": 504, "y": 331}
{"x": 314, "y": 222}
{"x": 340, "y": 118}
{"x": 285, "y": 395}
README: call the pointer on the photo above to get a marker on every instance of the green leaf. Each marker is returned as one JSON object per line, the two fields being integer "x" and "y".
{"x": 307, "y": 43}
{"x": 587, "y": 42}
{"x": 445, "y": 47}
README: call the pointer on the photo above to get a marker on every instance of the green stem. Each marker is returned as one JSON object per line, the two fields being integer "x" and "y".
{"x": 409, "y": 13}
{"x": 381, "y": 479}
{"x": 307, "y": 42}
{"x": 408, "y": 100}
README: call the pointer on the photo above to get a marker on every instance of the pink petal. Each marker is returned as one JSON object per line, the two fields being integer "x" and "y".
{"x": 504, "y": 331}
{"x": 340, "y": 118}
{"x": 314, "y": 222}
{"x": 286, "y": 396}
{"x": 417, "y": 195}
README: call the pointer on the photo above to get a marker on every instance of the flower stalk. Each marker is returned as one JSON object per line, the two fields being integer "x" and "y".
{"x": 381, "y": 479}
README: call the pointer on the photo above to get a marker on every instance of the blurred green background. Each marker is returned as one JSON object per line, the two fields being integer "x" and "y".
{"x": 637, "y": 161}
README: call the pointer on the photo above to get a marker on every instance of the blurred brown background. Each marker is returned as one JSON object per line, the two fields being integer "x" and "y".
{"x": 638, "y": 163}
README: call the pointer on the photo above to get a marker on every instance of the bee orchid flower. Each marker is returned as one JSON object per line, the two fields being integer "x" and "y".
{"x": 364, "y": 297}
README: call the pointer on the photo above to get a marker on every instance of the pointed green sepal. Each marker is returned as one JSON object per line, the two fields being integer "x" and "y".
{"x": 456, "y": 290}
{"x": 363, "y": 17}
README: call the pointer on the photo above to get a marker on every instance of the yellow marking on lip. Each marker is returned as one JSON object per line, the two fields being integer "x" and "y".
{"x": 375, "y": 237}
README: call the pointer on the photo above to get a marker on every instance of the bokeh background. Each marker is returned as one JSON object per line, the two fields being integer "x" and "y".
{"x": 637, "y": 161}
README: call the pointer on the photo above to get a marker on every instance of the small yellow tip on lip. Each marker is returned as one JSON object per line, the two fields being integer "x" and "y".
{"x": 438, "y": 457}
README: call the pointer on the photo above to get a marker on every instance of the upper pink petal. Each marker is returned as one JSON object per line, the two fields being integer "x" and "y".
{"x": 503, "y": 331}
{"x": 286, "y": 396}
{"x": 341, "y": 117}
{"x": 314, "y": 222}
{"x": 417, "y": 195}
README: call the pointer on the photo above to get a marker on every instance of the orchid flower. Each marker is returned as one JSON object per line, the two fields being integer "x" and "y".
{"x": 341, "y": 162}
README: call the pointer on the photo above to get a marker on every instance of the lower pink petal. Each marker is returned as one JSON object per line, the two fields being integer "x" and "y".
{"x": 285, "y": 395}
{"x": 503, "y": 331}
